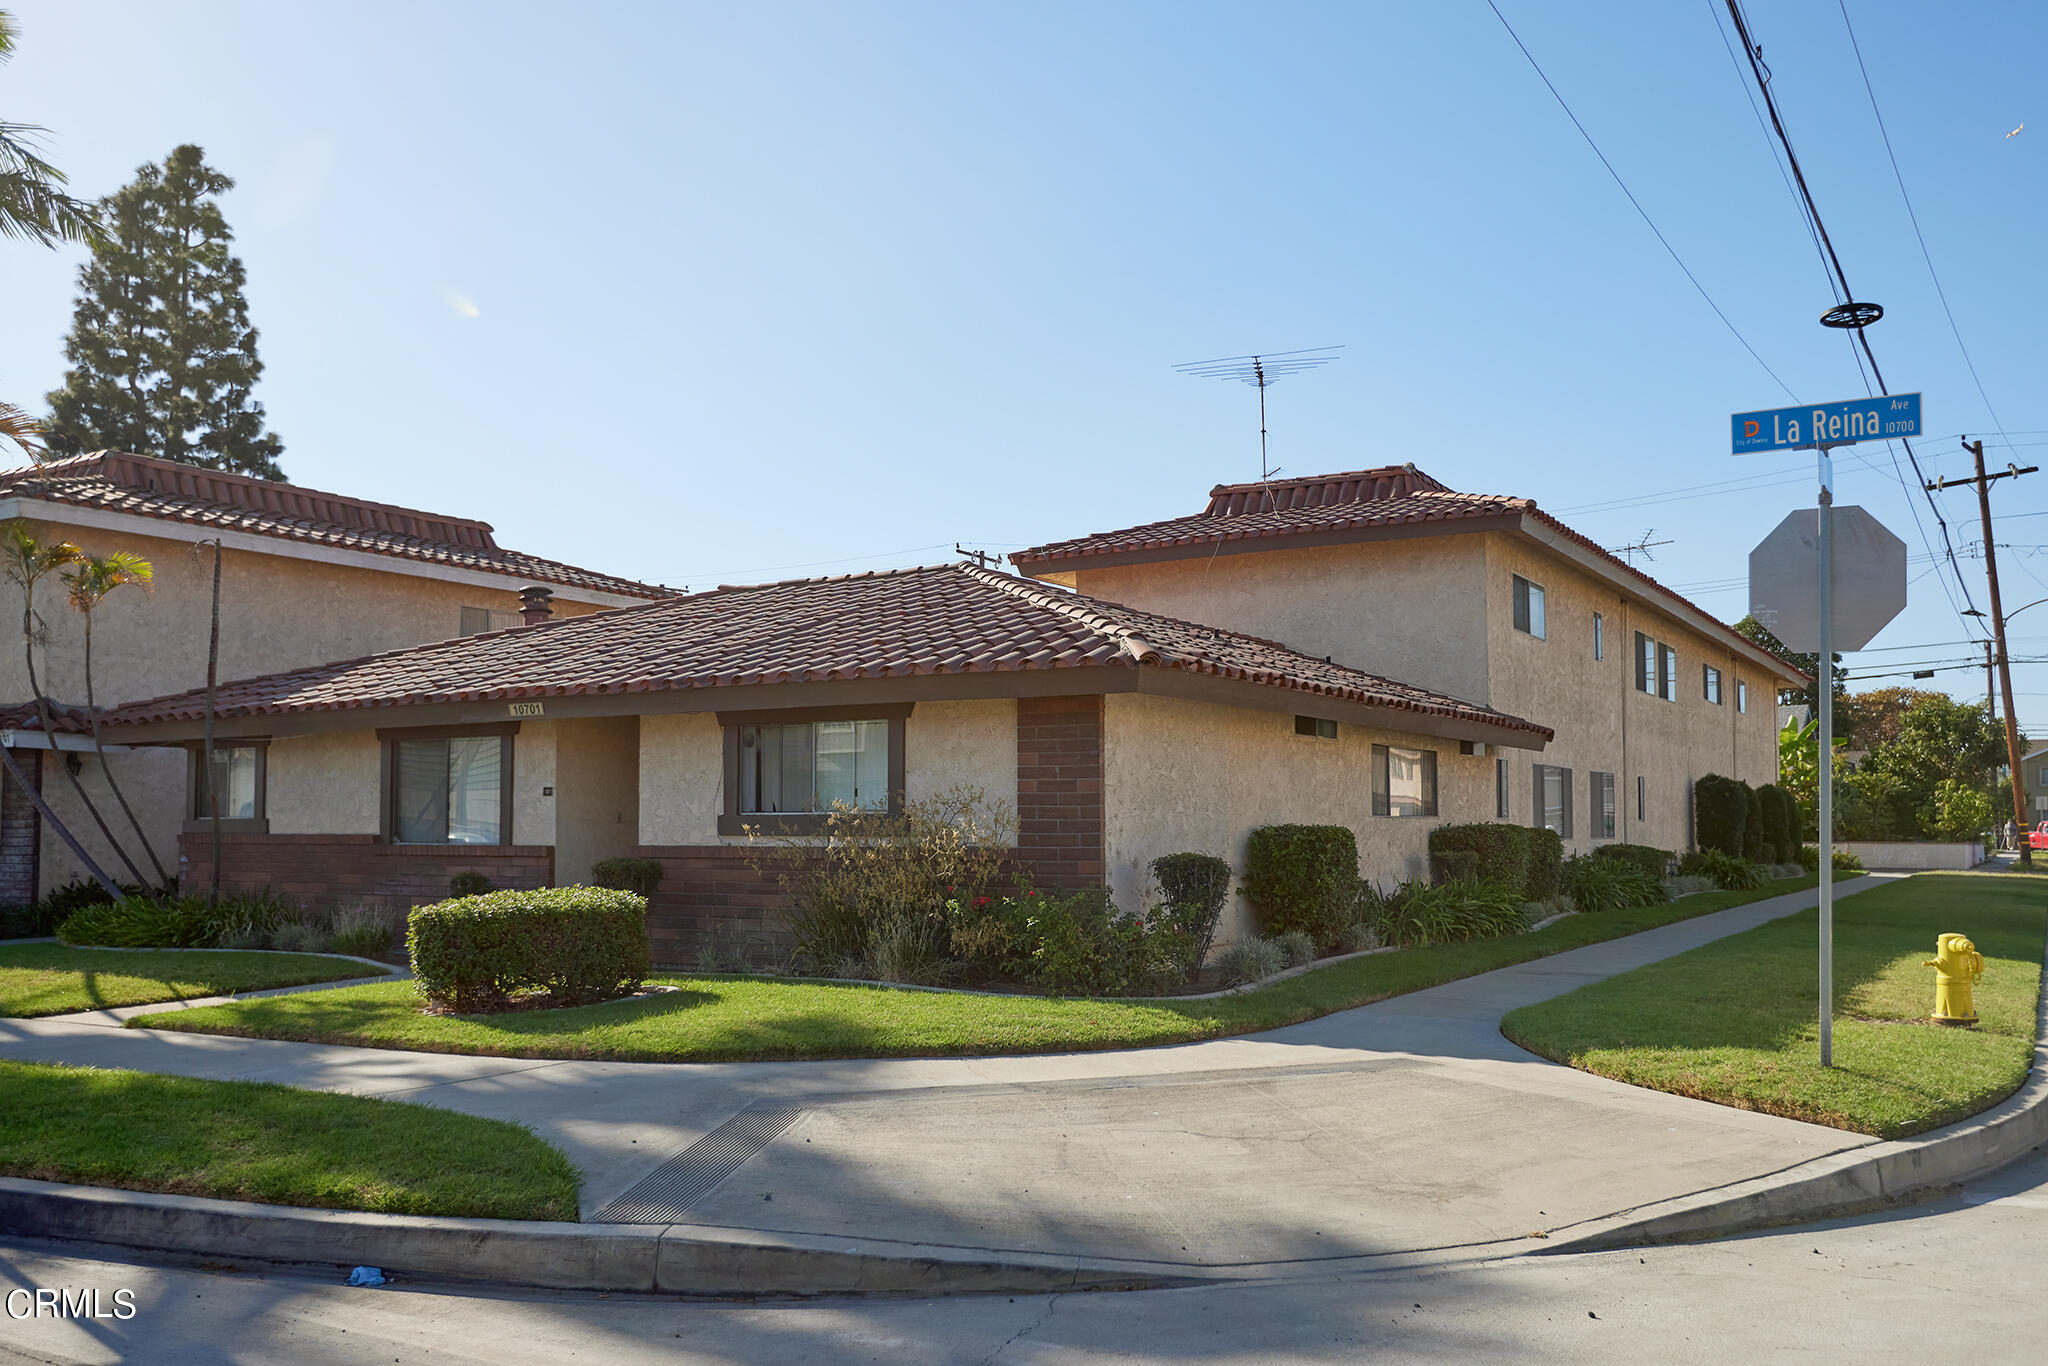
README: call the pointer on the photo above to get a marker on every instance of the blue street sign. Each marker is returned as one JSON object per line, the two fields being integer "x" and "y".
{"x": 1837, "y": 424}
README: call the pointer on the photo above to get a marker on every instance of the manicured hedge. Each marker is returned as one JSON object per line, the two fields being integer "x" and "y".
{"x": 1500, "y": 853}
{"x": 638, "y": 875}
{"x": 1546, "y": 864}
{"x": 1757, "y": 845}
{"x": 1652, "y": 861}
{"x": 578, "y": 944}
{"x": 1196, "y": 886}
{"x": 1778, "y": 814}
{"x": 1720, "y": 814}
{"x": 1302, "y": 877}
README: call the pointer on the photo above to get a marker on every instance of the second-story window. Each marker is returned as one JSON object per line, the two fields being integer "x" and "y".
{"x": 1667, "y": 673}
{"x": 1741, "y": 695}
{"x": 1710, "y": 683}
{"x": 1599, "y": 637}
{"x": 1528, "y": 607}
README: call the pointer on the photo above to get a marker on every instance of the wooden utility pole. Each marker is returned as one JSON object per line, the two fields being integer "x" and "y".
{"x": 1983, "y": 483}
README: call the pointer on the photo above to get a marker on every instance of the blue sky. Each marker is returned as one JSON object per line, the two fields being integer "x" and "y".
{"x": 716, "y": 293}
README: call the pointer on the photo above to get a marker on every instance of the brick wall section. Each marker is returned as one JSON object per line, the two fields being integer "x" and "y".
{"x": 1059, "y": 790}
{"x": 713, "y": 889}
{"x": 20, "y": 831}
{"x": 325, "y": 872}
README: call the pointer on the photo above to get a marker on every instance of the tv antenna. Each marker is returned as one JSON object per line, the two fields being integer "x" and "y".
{"x": 980, "y": 557}
{"x": 1642, "y": 547}
{"x": 1261, "y": 370}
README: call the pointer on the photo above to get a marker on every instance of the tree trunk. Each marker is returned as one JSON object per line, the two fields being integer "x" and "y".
{"x": 21, "y": 781}
{"x": 92, "y": 712}
{"x": 206, "y": 749}
{"x": 28, "y": 641}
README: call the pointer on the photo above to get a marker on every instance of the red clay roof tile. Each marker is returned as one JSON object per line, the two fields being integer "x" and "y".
{"x": 942, "y": 619}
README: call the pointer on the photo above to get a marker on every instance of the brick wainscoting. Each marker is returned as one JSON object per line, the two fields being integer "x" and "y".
{"x": 325, "y": 872}
{"x": 1059, "y": 790}
{"x": 707, "y": 889}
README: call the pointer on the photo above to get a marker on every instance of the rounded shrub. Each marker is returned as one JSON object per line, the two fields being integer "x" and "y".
{"x": 1758, "y": 846}
{"x": 1499, "y": 852}
{"x": 1249, "y": 960}
{"x": 640, "y": 876}
{"x": 1302, "y": 877}
{"x": 1546, "y": 865}
{"x": 1720, "y": 814}
{"x": 1195, "y": 887}
{"x": 1296, "y": 948}
{"x": 577, "y": 944}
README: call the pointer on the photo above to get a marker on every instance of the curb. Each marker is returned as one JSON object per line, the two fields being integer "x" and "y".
{"x": 1856, "y": 1182}
{"x": 683, "y": 1259}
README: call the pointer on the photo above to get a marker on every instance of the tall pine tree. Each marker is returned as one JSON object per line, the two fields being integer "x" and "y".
{"x": 162, "y": 355}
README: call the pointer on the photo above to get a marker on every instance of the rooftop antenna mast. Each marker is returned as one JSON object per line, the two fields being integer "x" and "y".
{"x": 1642, "y": 547}
{"x": 1261, "y": 370}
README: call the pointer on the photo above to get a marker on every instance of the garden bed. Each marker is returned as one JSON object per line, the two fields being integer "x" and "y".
{"x": 278, "y": 1145}
{"x": 1736, "y": 1022}
{"x": 57, "y": 979}
{"x": 719, "y": 1019}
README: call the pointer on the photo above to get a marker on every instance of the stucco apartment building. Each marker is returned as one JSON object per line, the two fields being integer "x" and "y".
{"x": 306, "y": 577}
{"x": 1369, "y": 649}
{"x": 2034, "y": 783}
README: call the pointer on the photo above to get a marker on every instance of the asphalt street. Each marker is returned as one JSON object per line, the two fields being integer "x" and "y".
{"x": 1960, "y": 1279}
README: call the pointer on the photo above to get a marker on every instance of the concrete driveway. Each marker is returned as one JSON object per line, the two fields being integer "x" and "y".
{"x": 1405, "y": 1127}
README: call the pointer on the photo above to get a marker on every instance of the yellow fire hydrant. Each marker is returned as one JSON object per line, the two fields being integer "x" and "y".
{"x": 1957, "y": 966}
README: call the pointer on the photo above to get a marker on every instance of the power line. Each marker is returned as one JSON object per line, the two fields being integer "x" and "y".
{"x": 1914, "y": 217}
{"x": 1861, "y": 335}
{"x": 1732, "y": 330}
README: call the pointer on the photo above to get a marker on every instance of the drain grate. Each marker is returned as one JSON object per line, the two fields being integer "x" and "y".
{"x": 665, "y": 1194}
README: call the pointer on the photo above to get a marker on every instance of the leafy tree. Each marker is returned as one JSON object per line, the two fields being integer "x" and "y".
{"x": 163, "y": 359}
{"x": 1956, "y": 811}
{"x": 1876, "y": 716}
{"x": 33, "y": 204}
{"x": 1754, "y": 631}
{"x": 89, "y": 579}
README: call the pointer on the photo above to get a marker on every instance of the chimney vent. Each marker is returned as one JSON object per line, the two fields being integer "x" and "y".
{"x": 533, "y": 604}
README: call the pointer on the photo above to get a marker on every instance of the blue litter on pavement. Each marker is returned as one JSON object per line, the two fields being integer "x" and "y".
{"x": 366, "y": 1275}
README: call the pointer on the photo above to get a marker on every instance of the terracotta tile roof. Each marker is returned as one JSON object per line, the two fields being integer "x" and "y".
{"x": 1361, "y": 499}
{"x": 938, "y": 620}
{"x": 147, "y": 487}
{"x": 65, "y": 720}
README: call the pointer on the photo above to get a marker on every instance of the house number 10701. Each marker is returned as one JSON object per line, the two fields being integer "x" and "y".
{"x": 527, "y": 709}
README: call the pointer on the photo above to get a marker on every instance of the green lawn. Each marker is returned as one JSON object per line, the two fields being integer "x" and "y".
{"x": 54, "y": 979}
{"x": 238, "y": 1140}
{"x": 716, "y": 1019}
{"x": 1735, "y": 1021}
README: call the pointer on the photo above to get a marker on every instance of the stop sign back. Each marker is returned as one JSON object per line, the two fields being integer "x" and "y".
{"x": 1868, "y": 579}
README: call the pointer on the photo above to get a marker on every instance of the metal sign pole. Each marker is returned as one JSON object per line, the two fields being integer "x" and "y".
{"x": 1824, "y": 699}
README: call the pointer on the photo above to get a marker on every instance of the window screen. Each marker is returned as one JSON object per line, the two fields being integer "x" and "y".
{"x": 1528, "y": 607}
{"x": 1646, "y": 664}
{"x": 1554, "y": 799}
{"x": 814, "y": 766}
{"x": 1318, "y": 726}
{"x": 1667, "y": 673}
{"x": 1599, "y": 637}
{"x": 1602, "y": 810}
{"x": 1710, "y": 683}
{"x": 1500, "y": 788}
{"x": 234, "y": 777}
{"x": 1403, "y": 781}
{"x": 449, "y": 791}
{"x": 1741, "y": 695}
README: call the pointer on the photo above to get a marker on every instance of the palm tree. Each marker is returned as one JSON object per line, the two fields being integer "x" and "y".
{"x": 32, "y": 199}
{"x": 28, "y": 562}
{"x": 90, "y": 579}
{"x": 24, "y": 431}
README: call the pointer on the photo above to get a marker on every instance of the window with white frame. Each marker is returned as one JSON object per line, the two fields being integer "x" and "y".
{"x": 1602, "y": 807}
{"x": 1710, "y": 683}
{"x": 1528, "y": 607}
{"x": 1741, "y": 695}
{"x": 1553, "y": 799}
{"x": 1667, "y": 673}
{"x": 1403, "y": 781}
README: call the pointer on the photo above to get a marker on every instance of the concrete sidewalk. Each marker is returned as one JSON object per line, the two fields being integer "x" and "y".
{"x": 1403, "y": 1127}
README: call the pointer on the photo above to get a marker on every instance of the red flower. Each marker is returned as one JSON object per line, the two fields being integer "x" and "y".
{"x": 981, "y": 901}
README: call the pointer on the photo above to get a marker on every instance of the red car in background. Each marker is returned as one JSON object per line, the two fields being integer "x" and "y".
{"x": 2037, "y": 838}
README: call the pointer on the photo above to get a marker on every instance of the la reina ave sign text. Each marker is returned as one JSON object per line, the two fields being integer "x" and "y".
{"x": 1857, "y": 419}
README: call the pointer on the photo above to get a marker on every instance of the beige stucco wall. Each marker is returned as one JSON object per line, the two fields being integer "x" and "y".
{"x": 153, "y": 780}
{"x": 324, "y": 784}
{"x": 946, "y": 745}
{"x": 277, "y": 613}
{"x": 597, "y": 793}
{"x": 1196, "y": 776}
{"x": 1412, "y": 609}
{"x": 1602, "y": 722}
